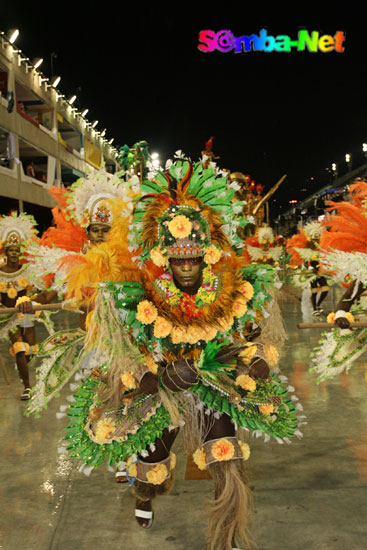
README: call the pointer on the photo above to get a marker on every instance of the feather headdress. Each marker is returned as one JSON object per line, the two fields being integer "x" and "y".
{"x": 16, "y": 229}
{"x": 187, "y": 211}
{"x": 86, "y": 198}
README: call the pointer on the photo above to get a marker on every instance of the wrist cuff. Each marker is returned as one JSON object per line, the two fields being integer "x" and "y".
{"x": 340, "y": 313}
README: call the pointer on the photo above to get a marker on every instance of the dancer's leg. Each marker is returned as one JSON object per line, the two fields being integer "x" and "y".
{"x": 20, "y": 357}
{"x": 229, "y": 513}
{"x": 145, "y": 492}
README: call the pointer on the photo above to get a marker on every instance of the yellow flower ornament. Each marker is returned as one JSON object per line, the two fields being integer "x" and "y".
{"x": 158, "y": 258}
{"x": 212, "y": 255}
{"x": 245, "y": 450}
{"x": 157, "y": 475}
{"x": 180, "y": 227}
{"x": 223, "y": 450}
{"x": 199, "y": 457}
{"x": 146, "y": 312}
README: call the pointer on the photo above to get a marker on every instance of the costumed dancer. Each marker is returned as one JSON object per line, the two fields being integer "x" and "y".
{"x": 264, "y": 247}
{"x": 179, "y": 350}
{"x": 18, "y": 287}
{"x": 304, "y": 250}
{"x": 74, "y": 249}
{"x": 343, "y": 248}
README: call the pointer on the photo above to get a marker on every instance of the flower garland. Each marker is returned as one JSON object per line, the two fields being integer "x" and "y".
{"x": 206, "y": 294}
{"x": 12, "y": 283}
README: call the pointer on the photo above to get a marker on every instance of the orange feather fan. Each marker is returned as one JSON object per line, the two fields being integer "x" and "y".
{"x": 347, "y": 230}
{"x": 65, "y": 233}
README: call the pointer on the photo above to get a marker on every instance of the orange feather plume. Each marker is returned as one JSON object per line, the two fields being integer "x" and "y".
{"x": 358, "y": 193}
{"x": 346, "y": 230}
{"x": 296, "y": 241}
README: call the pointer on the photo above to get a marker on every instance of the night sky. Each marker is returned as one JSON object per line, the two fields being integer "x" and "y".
{"x": 142, "y": 76}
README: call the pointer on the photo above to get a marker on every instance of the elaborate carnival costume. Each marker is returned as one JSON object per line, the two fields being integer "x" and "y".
{"x": 264, "y": 247}
{"x": 17, "y": 284}
{"x": 304, "y": 250}
{"x": 98, "y": 201}
{"x": 175, "y": 358}
{"x": 343, "y": 248}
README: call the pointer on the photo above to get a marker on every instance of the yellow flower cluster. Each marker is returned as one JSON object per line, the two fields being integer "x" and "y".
{"x": 157, "y": 475}
{"x": 192, "y": 334}
{"x": 266, "y": 409}
{"x": 158, "y": 258}
{"x": 23, "y": 282}
{"x": 173, "y": 460}
{"x": 246, "y": 382}
{"x": 222, "y": 450}
{"x": 12, "y": 293}
{"x": 247, "y": 290}
{"x": 180, "y": 227}
{"x": 131, "y": 468}
{"x": 271, "y": 355}
{"x": 212, "y": 254}
{"x": 128, "y": 381}
{"x": 199, "y": 457}
{"x": 162, "y": 327}
{"x": 245, "y": 450}
{"x": 248, "y": 353}
{"x": 151, "y": 364}
{"x": 146, "y": 312}
{"x": 239, "y": 307}
{"x": 104, "y": 429}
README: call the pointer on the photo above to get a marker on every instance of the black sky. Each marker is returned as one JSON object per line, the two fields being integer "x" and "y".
{"x": 143, "y": 77}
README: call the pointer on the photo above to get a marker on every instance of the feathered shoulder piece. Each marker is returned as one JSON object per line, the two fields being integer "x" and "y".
{"x": 346, "y": 230}
{"x": 112, "y": 260}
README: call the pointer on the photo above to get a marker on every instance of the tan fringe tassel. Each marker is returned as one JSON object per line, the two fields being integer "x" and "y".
{"x": 272, "y": 327}
{"x": 109, "y": 338}
{"x": 228, "y": 516}
{"x": 148, "y": 491}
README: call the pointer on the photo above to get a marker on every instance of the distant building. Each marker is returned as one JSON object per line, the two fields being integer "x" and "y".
{"x": 44, "y": 140}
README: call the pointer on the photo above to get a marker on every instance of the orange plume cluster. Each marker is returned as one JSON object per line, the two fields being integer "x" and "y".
{"x": 358, "y": 193}
{"x": 296, "y": 241}
{"x": 346, "y": 230}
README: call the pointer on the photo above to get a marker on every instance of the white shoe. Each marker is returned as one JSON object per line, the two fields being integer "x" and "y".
{"x": 145, "y": 514}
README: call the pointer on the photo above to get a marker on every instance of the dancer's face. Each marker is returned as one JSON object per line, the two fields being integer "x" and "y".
{"x": 97, "y": 233}
{"x": 13, "y": 253}
{"x": 187, "y": 273}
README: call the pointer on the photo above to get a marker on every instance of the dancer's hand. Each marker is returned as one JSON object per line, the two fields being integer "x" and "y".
{"x": 259, "y": 368}
{"x": 180, "y": 375}
{"x": 25, "y": 307}
{"x": 149, "y": 383}
{"x": 342, "y": 322}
